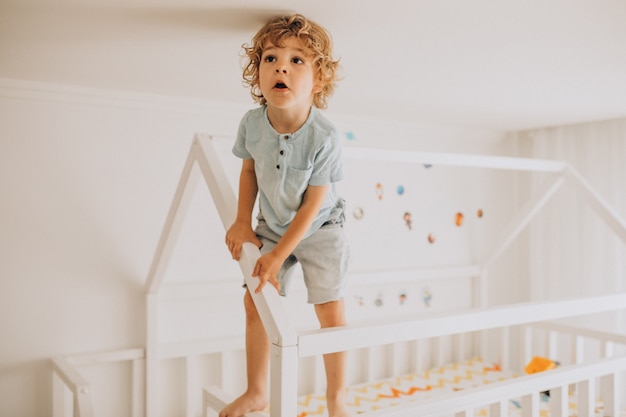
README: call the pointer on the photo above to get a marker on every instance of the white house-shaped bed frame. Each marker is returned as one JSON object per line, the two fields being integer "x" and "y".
{"x": 287, "y": 344}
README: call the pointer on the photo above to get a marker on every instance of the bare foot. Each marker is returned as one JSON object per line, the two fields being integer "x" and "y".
{"x": 337, "y": 409}
{"x": 246, "y": 403}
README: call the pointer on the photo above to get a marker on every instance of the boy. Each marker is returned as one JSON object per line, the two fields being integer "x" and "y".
{"x": 291, "y": 159}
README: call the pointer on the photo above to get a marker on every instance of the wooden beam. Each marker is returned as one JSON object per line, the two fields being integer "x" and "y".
{"x": 173, "y": 223}
{"x": 523, "y": 217}
{"x": 598, "y": 203}
{"x": 271, "y": 310}
{"x": 384, "y": 331}
{"x": 452, "y": 159}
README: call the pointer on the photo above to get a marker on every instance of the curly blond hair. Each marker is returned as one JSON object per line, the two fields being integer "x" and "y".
{"x": 314, "y": 37}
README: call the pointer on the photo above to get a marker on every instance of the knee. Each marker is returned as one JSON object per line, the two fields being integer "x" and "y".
{"x": 331, "y": 314}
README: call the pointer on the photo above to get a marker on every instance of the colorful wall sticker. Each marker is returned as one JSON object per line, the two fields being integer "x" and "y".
{"x": 407, "y": 220}
{"x": 379, "y": 191}
{"x": 427, "y": 296}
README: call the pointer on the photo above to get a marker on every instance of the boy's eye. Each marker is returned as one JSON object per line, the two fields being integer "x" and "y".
{"x": 270, "y": 58}
{"x": 297, "y": 60}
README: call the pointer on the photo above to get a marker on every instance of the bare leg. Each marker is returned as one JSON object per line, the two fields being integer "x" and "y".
{"x": 332, "y": 314}
{"x": 257, "y": 362}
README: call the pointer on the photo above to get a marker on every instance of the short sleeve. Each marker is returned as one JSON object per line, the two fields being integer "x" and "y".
{"x": 328, "y": 165}
{"x": 239, "y": 148}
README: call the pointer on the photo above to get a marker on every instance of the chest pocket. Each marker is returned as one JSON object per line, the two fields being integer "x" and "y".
{"x": 296, "y": 182}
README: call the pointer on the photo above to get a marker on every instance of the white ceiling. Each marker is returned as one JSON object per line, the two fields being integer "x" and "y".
{"x": 494, "y": 64}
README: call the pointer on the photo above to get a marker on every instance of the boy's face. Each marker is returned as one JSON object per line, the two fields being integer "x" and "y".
{"x": 287, "y": 76}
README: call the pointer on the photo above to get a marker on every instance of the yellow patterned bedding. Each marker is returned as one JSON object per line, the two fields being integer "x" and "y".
{"x": 415, "y": 387}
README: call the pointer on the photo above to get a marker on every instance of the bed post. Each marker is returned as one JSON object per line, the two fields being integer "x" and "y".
{"x": 282, "y": 334}
{"x": 204, "y": 161}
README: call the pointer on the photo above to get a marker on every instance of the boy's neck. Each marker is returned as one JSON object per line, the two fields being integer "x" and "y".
{"x": 287, "y": 121}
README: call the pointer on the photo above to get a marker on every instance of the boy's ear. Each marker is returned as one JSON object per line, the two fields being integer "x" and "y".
{"x": 318, "y": 87}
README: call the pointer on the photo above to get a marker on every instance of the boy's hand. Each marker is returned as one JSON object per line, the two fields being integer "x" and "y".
{"x": 266, "y": 268}
{"x": 237, "y": 235}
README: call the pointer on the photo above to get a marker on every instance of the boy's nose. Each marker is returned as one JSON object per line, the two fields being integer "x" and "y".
{"x": 281, "y": 69}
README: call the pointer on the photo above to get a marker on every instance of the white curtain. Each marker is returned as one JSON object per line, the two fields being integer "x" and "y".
{"x": 572, "y": 251}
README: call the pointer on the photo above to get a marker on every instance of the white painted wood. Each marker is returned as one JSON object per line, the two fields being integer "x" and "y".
{"x": 320, "y": 374}
{"x": 479, "y": 289}
{"x": 460, "y": 346}
{"x": 152, "y": 355}
{"x": 552, "y": 344}
{"x": 608, "y": 348}
{"x": 77, "y": 384}
{"x": 505, "y": 337}
{"x": 215, "y": 178}
{"x": 106, "y": 356}
{"x": 173, "y": 224}
{"x": 390, "y": 331}
{"x": 83, "y": 401}
{"x": 579, "y": 349}
{"x": 199, "y": 347}
{"x": 192, "y": 389}
{"x": 226, "y": 369}
{"x": 527, "y": 344}
{"x": 70, "y": 376}
{"x": 598, "y": 203}
{"x": 284, "y": 381}
{"x": 451, "y": 159}
{"x": 583, "y": 332}
{"x": 499, "y": 409}
{"x": 369, "y": 365}
{"x": 393, "y": 356}
{"x": 138, "y": 387}
{"x": 62, "y": 397}
{"x": 559, "y": 401}
{"x": 586, "y": 397}
{"x": 437, "y": 344}
{"x": 530, "y": 405}
{"x": 609, "y": 394}
{"x": 517, "y": 224}
{"x": 268, "y": 303}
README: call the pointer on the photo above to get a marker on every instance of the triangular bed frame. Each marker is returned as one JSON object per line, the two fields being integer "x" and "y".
{"x": 287, "y": 344}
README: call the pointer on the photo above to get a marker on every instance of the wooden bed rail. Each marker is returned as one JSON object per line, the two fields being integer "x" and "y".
{"x": 67, "y": 379}
{"x": 381, "y": 332}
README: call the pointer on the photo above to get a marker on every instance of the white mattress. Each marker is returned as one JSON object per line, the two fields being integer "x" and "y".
{"x": 415, "y": 387}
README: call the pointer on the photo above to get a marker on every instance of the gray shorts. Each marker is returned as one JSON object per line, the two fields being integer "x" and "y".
{"x": 323, "y": 256}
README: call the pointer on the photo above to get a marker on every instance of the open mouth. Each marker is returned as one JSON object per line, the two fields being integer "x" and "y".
{"x": 280, "y": 85}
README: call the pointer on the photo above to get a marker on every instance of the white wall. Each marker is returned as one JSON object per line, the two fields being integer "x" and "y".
{"x": 587, "y": 257}
{"x": 86, "y": 180}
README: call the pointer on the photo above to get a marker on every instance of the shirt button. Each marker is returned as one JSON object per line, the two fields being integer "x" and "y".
{"x": 277, "y": 166}
{"x": 282, "y": 152}
{"x": 286, "y": 137}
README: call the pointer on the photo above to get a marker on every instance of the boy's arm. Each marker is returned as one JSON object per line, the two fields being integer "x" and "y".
{"x": 241, "y": 230}
{"x": 267, "y": 266}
